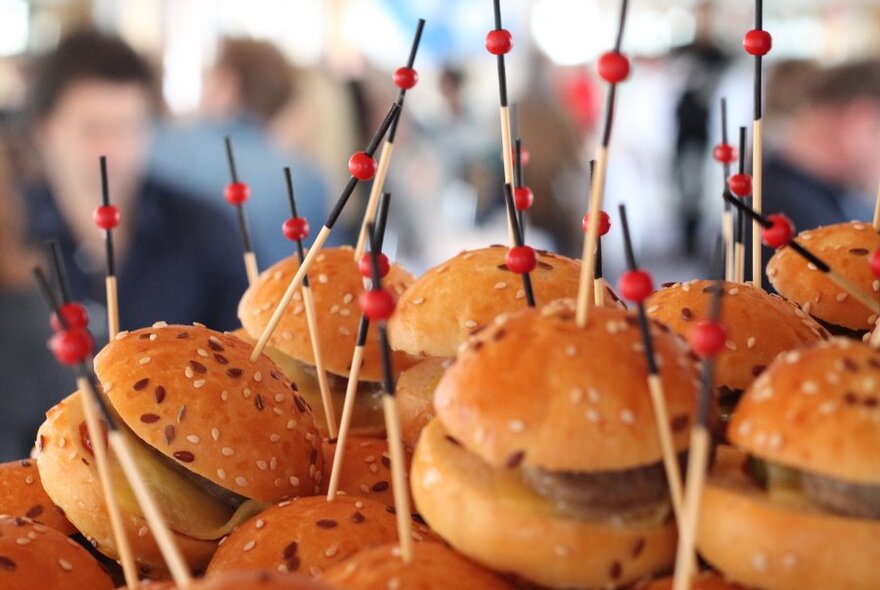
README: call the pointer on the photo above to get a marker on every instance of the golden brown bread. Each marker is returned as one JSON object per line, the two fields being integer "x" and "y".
{"x": 22, "y": 494}
{"x": 366, "y": 471}
{"x": 415, "y": 397}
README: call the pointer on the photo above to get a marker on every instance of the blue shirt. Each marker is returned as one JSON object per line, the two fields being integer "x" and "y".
{"x": 193, "y": 156}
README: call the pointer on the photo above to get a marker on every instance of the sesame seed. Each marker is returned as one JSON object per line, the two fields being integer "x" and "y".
{"x": 592, "y": 415}
{"x": 827, "y": 407}
{"x": 810, "y": 387}
{"x": 294, "y": 480}
{"x": 258, "y": 377}
{"x": 65, "y": 565}
{"x": 153, "y": 337}
{"x": 594, "y": 396}
{"x": 774, "y": 441}
{"x": 653, "y": 309}
{"x": 202, "y": 352}
{"x": 576, "y": 395}
{"x": 144, "y": 360}
{"x": 733, "y": 291}
{"x": 227, "y": 451}
{"x": 730, "y": 344}
{"x": 347, "y": 298}
{"x": 841, "y": 297}
{"x": 344, "y": 331}
{"x": 188, "y": 372}
{"x": 571, "y": 350}
{"x": 143, "y": 531}
{"x": 262, "y": 465}
{"x": 193, "y": 438}
{"x": 198, "y": 383}
{"x": 560, "y": 550}
{"x": 121, "y": 335}
{"x": 812, "y": 266}
{"x": 789, "y": 560}
{"x": 221, "y": 473}
{"x": 249, "y": 545}
{"x": 470, "y": 324}
{"x": 759, "y": 561}
{"x": 62, "y": 442}
{"x": 627, "y": 417}
{"x": 322, "y": 278}
{"x": 224, "y": 395}
{"x": 744, "y": 428}
{"x": 23, "y": 541}
{"x": 215, "y": 433}
{"x": 750, "y": 343}
{"x": 240, "y": 481}
{"x": 274, "y": 438}
{"x": 520, "y": 294}
{"x": 418, "y": 300}
{"x": 286, "y": 335}
{"x": 394, "y": 584}
{"x": 516, "y": 426}
{"x": 331, "y": 550}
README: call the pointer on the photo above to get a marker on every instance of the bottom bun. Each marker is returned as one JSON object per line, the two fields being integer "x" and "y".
{"x": 759, "y": 541}
{"x": 433, "y": 567}
{"x": 703, "y": 581}
{"x": 258, "y": 580}
{"x": 487, "y": 515}
{"x": 415, "y": 397}
{"x": 70, "y": 477}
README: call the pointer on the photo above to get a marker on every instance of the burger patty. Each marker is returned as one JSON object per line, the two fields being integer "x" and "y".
{"x": 603, "y": 493}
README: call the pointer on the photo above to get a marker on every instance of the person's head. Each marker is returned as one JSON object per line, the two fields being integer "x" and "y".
{"x": 93, "y": 95}
{"x": 249, "y": 78}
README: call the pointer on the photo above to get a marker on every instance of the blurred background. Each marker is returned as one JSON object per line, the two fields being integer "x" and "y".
{"x": 157, "y": 84}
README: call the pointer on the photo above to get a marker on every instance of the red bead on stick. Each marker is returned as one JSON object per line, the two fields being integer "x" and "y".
{"x": 365, "y": 266}
{"x": 613, "y": 67}
{"x": 757, "y": 42}
{"x": 740, "y": 184}
{"x": 72, "y": 346}
{"x": 523, "y": 197}
{"x": 74, "y": 314}
{"x": 296, "y": 228}
{"x": 636, "y": 285}
{"x": 499, "y": 41}
{"x": 707, "y": 338}
{"x": 724, "y": 153}
{"x": 405, "y": 78}
{"x": 780, "y": 233}
{"x": 604, "y": 223}
{"x": 106, "y": 217}
{"x": 237, "y": 193}
{"x": 874, "y": 261}
{"x": 362, "y": 166}
{"x": 521, "y": 259}
{"x": 377, "y": 305}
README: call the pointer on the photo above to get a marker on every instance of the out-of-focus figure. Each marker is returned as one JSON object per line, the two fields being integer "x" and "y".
{"x": 826, "y": 163}
{"x": 178, "y": 259}
{"x": 248, "y": 86}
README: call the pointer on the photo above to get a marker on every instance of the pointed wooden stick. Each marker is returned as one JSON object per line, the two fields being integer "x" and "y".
{"x": 250, "y": 259}
{"x": 758, "y": 159}
{"x": 110, "y": 279}
{"x": 876, "y": 222}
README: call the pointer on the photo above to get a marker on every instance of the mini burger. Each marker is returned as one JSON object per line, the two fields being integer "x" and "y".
{"x": 798, "y": 507}
{"x": 36, "y": 557}
{"x": 433, "y": 567}
{"x": 366, "y": 472}
{"x": 544, "y": 459}
{"x": 309, "y": 535}
{"x": 846, "y": 248}
{"x": 759, "y": 327}
{"x": 702, "y": 581}
{"x": 336, "y": 284}
{"x": 456, "y": 299}
{"x": 216, "y": 436}
{"x": 22, "y": 494}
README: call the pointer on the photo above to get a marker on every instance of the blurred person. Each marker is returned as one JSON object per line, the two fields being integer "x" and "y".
{"x": 178, "y": 260}
{"x": 787, "y": 88}
{"x": 32, "y": 380}
{"x": 826, "y": 165}
{"x": 248, "y": 86}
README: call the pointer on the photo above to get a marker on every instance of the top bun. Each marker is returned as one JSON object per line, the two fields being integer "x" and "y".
{"x": 759, "y": 325}
{"x": 194, "y": 395}
{"x": 845, "y": 247}
{"x": 537, "y": 389}
{"x": 336, "y": 284}
{"x": 816, "y": 409}
{"x": 465, "y": 293}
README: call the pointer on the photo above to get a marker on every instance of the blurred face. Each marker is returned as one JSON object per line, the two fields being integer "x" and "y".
{"x": 860, "y": 130}
{"x": 94, "y": 118}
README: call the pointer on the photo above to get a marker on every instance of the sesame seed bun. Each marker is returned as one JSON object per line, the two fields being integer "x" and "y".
{"x": 366, "y": 471}
{"x": 70, "y": 477}
{"x": 845, "y": 248}
{"x": 415, "y": 397}
{"x": 465, "y": 293}
{"x": 194, "y": 395}
{"x": 309, "y": 535}
{"x": 22, "y": 494}
{"x": 485, "y": 513}
{"x": 336, "y": 285}
{"x": 703, "y": 581}
{"x": 36, "y": 557}
{"x": 259, "y": 580}
{"x": 816, "y": 409}
{"x": 536, "y": 386}
{"x": 759, "y": 542}
{"x": 759, "y": 325}
{"x": 433, "y": 567}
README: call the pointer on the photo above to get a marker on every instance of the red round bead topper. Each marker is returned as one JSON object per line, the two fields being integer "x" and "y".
{"x": 780, "y": 233}
{"x": 499, "y": 41}
{"x": 521, "y": 259}
{"x": 365, "y": 265}
{"x": 613, "y": 67}
{"x": 724, "y": 153}
{"x": 405, "y": 78}
{"x": 296, "y": 228}
{"x": 74, "y": 314}
{"x": 72, "y": 346}
{"x": 106, "y": 217}
{"x": 758, "y": 42}
{"x": 362, "y": 166}
{"x": 237, "y": 193}
{"x": 604, "y": 223}
{"x": 636, "y": 285}
{"x": 707, "y": 338}
{"x": 377, "y": 305}
{"x": 740, "y": 184}
{"x": 523, "y": 197}
{"x": 874, "y": 261}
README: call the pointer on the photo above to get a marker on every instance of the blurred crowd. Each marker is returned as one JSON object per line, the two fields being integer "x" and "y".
{"x": 178, "y": 246}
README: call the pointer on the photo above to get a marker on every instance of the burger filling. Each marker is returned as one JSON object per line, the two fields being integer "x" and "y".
{"x": 728, "y": 398}
{"x": 627, "y": 494}
{"x": 831, "y": 494}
